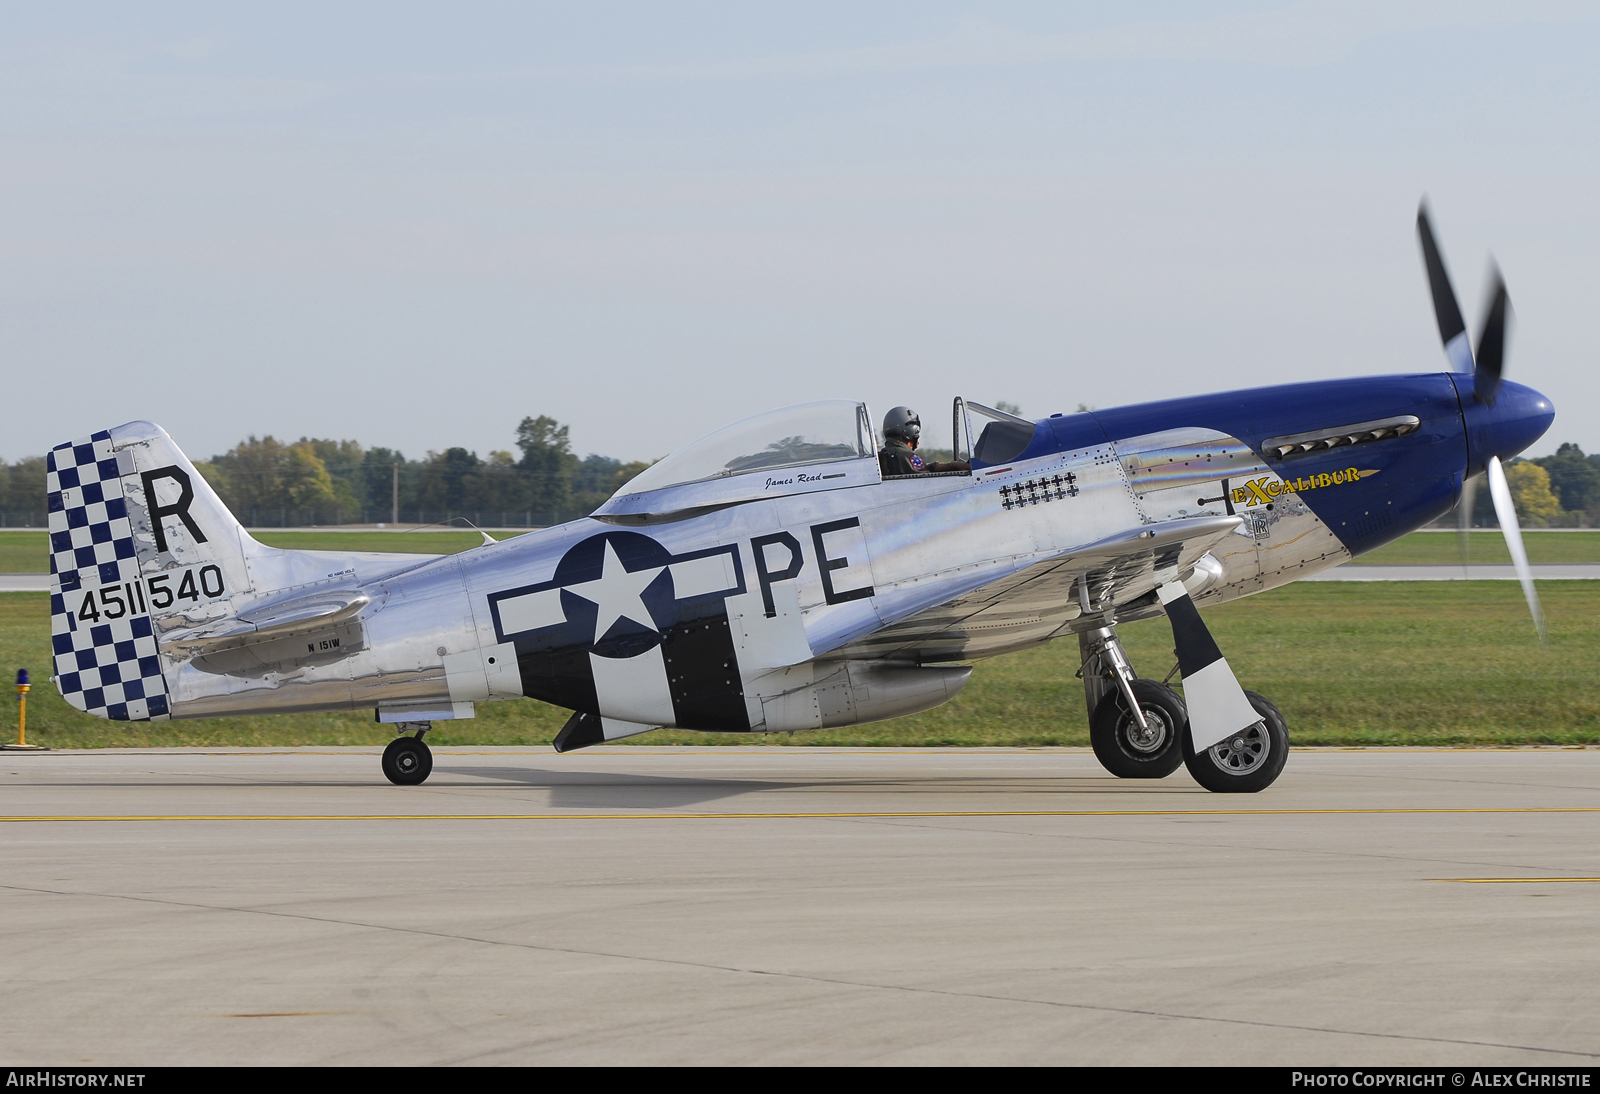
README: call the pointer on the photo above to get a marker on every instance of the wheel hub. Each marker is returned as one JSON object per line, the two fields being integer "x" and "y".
{"x": 1243, "y": 752}
{"x": 1149, "y": 739}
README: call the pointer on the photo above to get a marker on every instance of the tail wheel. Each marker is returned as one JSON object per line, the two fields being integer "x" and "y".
{"x": 1129, "y": 752}
{"x": 1247, "y": 761}
{"x": 407, "y": 761}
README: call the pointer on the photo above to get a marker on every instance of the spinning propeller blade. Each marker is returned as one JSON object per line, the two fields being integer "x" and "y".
{"x": 1469, "y": 495}
{"x": 1486, "y": 369}
{"x": 1492, "y": 343}
{"x": 1452, "y": 328}
{"x": 1506, "y": 511}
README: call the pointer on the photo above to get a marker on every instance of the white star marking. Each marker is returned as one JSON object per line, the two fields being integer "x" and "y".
{"x": 617, "y": 594}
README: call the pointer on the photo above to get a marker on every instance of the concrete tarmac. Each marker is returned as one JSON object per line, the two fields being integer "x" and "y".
{"x": 796, "y": 905}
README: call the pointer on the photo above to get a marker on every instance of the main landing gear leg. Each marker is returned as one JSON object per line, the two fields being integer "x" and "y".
{"x": 1137, "y": 726}
{"x": 1237, "y": 741}
{"x": 407, "y": 761}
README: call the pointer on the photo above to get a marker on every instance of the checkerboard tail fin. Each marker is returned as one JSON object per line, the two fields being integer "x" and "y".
{"x": 139, "y": 542}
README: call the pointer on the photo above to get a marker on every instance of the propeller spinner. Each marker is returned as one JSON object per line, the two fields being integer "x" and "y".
{"x": 1487, "y": 430}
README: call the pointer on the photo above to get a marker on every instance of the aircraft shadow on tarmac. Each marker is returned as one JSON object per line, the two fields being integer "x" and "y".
{"x": 611, "y": 790}
{"x": 607, "y": 790}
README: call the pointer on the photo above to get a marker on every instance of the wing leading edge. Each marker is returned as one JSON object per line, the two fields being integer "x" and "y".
{"x": 1041, "y": 601}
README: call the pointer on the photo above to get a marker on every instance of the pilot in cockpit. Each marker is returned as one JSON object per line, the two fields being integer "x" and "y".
{"x": 901, "y": 430}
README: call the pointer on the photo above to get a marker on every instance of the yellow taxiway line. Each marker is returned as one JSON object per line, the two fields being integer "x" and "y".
{"x": 842, "y": 815}
{"x": 1512, "y": 880}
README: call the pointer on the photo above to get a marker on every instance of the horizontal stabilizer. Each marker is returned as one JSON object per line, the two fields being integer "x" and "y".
{"x": 269, "y": 623}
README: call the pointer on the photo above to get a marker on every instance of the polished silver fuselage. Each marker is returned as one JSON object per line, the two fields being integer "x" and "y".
{"x": 957, "y": 571}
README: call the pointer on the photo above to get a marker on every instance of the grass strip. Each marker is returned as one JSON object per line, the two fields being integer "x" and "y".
{"x": 1484, "y": 548}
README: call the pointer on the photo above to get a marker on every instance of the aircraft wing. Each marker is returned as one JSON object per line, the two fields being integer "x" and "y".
{"x": 1040, "y": 601}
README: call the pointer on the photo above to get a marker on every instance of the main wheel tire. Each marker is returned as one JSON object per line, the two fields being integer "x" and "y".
{"x": 407, "y": 761}
{"x": 1130, "y": 753}
{"x": 1247, "y": 761}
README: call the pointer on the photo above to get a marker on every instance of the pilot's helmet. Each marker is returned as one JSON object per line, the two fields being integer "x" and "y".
{"x": 902, "y": 422}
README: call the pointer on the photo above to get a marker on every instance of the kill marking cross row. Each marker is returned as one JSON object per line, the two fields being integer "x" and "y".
{"x": 1034, "y": 491}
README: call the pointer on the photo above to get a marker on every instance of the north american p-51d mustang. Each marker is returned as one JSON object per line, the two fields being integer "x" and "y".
{"x": 771, "y": 577}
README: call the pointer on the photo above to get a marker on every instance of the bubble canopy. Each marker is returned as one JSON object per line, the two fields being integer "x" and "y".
{"x": 791, "y": 436}
{"x": 825, "y": 445}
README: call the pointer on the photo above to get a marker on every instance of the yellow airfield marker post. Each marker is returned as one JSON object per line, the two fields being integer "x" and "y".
{"x": 22, "y": 744}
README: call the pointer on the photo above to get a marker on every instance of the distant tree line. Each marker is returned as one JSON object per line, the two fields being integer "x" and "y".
{"x": 22, "y": 494}
{"x": 270, "y": 483}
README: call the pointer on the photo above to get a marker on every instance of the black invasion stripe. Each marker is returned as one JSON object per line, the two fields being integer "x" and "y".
{"x": 1196, "y": 647}
{"x": 703, "y": 670}
{"x": 562, "y": 677}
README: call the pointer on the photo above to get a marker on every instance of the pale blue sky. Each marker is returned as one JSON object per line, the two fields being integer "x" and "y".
{"x": 415, "y": 225}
